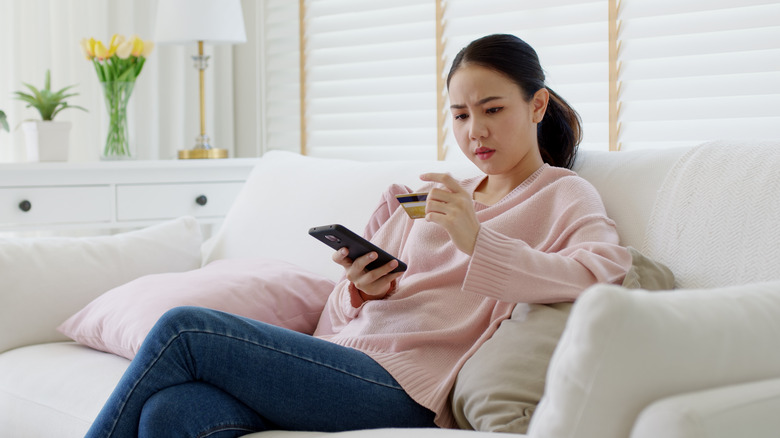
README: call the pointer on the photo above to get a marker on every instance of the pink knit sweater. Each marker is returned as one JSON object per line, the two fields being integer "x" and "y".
{"x": 545, "y": 242}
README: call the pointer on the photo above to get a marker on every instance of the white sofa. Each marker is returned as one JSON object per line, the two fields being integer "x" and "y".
{"x": 700, "y": 361}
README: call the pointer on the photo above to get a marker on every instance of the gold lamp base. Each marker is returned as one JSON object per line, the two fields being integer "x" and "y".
{"x": 190, "y": 154}
{"x": 203, "y": 148}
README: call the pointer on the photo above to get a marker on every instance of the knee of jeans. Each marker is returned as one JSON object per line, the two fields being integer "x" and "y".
{"x": 161, "y": 415}
{"x": 184, "y": 317}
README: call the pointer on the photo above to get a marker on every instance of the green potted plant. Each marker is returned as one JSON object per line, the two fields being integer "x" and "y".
{"x": 3, "y": 121}
{"x": 47, "y": 140}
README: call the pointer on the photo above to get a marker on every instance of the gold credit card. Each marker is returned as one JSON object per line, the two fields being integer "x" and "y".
{"x": 413, "y": 203}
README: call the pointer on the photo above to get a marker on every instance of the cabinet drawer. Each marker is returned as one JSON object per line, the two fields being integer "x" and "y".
{"x": 55, "y": 205}
{"x": 164, "y": 201}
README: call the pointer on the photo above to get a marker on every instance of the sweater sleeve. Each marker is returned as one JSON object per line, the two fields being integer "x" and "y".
{"x": 581, "y": 248}
{"x": 345, "y": 303}
{"x": 387, "y": 205}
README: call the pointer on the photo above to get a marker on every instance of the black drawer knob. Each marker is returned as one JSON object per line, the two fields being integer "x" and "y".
{"x": 25, "y": 206}
{"x": 201, "y": 200}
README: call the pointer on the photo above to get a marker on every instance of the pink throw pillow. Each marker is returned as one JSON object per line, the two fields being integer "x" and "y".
{"x": 271, "y": 291}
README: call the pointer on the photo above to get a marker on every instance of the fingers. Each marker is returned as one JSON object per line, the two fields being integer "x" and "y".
{"x": 452, "y": 207}
{"x": 444, "y": 179}
{"x": 440, "y": 197}
{"x": 375, "y": 282}
{"x": 342, "y": 258}
{"x": 358, "y": 271}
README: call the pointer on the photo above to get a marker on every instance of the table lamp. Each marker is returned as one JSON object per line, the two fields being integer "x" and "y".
{"x": 200, "y": 21}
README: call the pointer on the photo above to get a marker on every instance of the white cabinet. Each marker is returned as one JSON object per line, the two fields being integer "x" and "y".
{"x": 156, "y": 201}
{"x": 117, "y": 195}
{"x": 69, "y": 205}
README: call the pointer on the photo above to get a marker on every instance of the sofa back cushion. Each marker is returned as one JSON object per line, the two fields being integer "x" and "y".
{"x": 286, "y": 194}
{"x": 715, "y": 222}
{"x": 628, "y": 183}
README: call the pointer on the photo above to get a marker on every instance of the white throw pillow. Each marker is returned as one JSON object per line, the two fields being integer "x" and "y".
{"x": 43, "y": 281}
{"x": 622, "y": 350}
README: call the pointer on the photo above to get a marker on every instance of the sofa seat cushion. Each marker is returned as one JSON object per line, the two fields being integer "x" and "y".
{"x": 386, "y": 433}
{"x": 57, "y": 387}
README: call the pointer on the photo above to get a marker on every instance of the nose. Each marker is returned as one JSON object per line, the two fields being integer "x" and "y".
{"x": 477, "y": 128}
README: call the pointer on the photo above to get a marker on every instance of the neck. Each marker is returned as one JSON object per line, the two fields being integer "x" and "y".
{"x": 494, "y": 187}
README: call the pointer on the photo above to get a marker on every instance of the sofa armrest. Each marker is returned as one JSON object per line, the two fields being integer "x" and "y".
{"x": 43, "y": 281}
{"x": 748, "y": 409}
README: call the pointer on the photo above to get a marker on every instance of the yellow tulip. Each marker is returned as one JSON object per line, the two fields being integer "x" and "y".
{"x": 116, "y": 41}
{"x": 148, "y": 47}
{"x": 100, "y": 50}
{"x": 138, "y": 46}
{"x": 85, "y": 49}
{"x": 124, "y": 49}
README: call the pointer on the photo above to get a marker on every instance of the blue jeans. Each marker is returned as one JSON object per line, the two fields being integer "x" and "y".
{"x": 203, "y": 373}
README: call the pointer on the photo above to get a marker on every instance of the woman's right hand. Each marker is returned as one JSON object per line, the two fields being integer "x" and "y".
{"x": 374, "y": 284}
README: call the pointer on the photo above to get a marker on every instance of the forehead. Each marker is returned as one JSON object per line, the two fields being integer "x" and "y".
{"x": 473, "y": 82}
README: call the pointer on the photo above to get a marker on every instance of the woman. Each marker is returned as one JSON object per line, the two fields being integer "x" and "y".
{"x": 388, "y": 346}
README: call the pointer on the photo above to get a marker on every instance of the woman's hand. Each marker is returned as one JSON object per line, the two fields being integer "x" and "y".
{"x": 373, "y": 284}
{"x": 452, "y": 208}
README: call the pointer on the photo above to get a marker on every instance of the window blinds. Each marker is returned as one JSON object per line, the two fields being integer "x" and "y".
{"x": 370, "y": 79}
{"x": 698, "y": 70}
{"x": 568, "y": 35}
{"x": 687, "y": 71}
{"x": 281, "y": 120}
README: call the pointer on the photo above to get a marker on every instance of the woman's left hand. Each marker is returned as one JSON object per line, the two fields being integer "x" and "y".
{"x": 452, "y": 207}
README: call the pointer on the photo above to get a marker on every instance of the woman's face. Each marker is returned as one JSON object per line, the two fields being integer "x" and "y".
{"x": 494, "y": 125}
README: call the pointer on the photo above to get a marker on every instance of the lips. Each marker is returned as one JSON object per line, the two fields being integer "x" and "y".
{"x": 484, "y": 153}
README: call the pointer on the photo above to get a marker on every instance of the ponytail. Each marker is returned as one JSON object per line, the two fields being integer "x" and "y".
{"x": 559, "y": 133}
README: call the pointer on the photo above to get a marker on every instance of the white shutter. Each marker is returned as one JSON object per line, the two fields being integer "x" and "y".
{"x": 370, "y": 79}
{"x": 570, "y": 37}
{"x": 281, "y": 79}
{"x": 698, "y": 70}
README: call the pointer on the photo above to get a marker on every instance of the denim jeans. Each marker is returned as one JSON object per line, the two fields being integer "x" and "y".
{"x": 203, "y": 373}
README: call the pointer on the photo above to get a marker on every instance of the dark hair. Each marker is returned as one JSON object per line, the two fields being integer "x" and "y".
{"x": 560, "y": 131}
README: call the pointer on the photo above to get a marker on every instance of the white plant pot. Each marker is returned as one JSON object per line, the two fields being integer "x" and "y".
{"x": 47, "y": 141}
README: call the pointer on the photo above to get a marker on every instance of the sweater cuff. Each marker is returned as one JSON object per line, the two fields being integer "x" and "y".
{"x": 494, "y": 259}
{"x": 357, "y": 297}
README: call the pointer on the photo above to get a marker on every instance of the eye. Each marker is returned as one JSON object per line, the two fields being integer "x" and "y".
{"x": 460, "y": 116}
{"x": 494, "y": 110}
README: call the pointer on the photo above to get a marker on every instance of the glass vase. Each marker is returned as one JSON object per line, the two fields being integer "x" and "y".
{"x": 117, "y": 95}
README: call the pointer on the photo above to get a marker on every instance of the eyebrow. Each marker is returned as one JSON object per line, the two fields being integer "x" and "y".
{"x": 480, "y": 102}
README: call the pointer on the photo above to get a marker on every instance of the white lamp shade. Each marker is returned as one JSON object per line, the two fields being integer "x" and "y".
{"x": 210, "y": 21}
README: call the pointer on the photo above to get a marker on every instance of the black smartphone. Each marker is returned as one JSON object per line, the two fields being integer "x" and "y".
{"x": 338, "y": 236}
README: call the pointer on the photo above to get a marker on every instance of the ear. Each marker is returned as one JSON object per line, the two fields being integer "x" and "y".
{"x": 539, "y": 104}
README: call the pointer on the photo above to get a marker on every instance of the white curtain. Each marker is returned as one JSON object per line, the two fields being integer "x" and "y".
{"x": 164, "y": 112}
